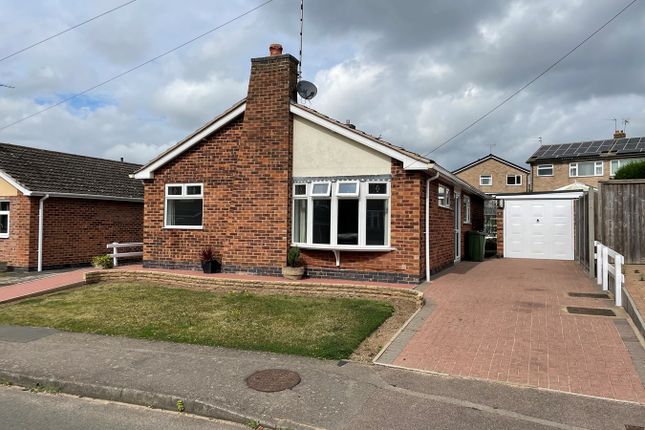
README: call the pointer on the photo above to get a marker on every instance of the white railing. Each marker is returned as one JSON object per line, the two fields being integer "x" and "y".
{"x": 116, "y": 254}
{"x": 604, "y": 268}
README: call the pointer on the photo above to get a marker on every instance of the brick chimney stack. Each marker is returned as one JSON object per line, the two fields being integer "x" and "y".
{"x": 261, "y": 201}
{"x": 619, "y": 134}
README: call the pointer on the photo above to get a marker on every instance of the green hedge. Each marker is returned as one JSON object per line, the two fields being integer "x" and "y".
{"x": 634, "y": 170}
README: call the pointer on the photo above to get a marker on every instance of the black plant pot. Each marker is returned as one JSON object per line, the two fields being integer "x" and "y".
{"x": 212, "y": 266}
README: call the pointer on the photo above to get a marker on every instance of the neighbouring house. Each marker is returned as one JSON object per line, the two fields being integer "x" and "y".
{"x": 576, "y": 165}
{"x": 270, "y": 173}
{"x": 492, "y": 175}
{"x": 59, "y": 210}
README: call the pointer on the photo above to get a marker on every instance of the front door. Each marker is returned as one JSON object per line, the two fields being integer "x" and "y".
{"x": 457, "y": 226}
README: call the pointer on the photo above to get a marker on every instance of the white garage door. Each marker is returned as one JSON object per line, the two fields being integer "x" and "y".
{"x": 538, "y": 229}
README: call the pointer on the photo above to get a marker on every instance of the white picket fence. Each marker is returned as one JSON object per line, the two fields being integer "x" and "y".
{"x": 604, "y": 268}
{"x": 115, "y": 246}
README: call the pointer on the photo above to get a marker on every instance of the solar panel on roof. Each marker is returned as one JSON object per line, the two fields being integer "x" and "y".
{"x": 633, "y": 140}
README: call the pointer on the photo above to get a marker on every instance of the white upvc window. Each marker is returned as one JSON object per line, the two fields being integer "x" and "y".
{"x": 585, "y": 169}
{"x": 184, "y": 206}
{"x": 545, "y": 170}
{"x": 514, "y": 180}
{"x": 466, "y": 209}
{"x": 347, "y": 214}
{"x": 4, "y": 219}
{"x": 485, "y": 180}
{"x": 615, "y": 165}
{"x": 443, "y": 196}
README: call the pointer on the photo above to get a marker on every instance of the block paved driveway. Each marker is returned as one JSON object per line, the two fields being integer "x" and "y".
{"x": 503, "y": 320}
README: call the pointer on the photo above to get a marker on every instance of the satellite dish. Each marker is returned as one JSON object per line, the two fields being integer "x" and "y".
{"x": 306, "y": 89}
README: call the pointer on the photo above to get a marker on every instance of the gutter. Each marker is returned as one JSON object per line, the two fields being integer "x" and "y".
{"x": 41, "y": 217}
{"x": 86, "y": 196}
{"x": 435, "y": 177}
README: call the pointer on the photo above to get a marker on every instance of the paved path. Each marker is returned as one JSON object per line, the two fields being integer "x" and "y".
{"x": 505, "y": 320}
{"x": 331, "y": 395}
{"x": 42, "y": 285}
{"x": 23, "y": 410}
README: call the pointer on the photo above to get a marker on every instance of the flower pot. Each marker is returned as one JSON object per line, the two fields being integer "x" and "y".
{"x": 294, "y": 273}
{"x": 211, "y": 266}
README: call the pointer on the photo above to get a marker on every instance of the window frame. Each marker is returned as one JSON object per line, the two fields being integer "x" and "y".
{"x": 350, "y": 195}
{"x": 482, "y": 184}
{"x": 544, "y": 166}
{"x": 513, "y": 175}
{"x": 310, "y": 189}
{"x": 183, "y": 196}
{"x": 621, "y": 162}
{"x": 467, "y": 209}
{"x": 576, "y": 166}
{"x": 8, "y": 214}
{"x": 447, "y": 195}
{"x": 362, "y": 196}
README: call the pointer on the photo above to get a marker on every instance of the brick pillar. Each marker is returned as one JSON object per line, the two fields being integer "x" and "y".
{"x": 261, "y": 194}
{"x": 499, "y": 218}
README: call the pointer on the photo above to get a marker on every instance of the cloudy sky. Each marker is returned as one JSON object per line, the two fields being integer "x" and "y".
{"x": 414, "y": 71}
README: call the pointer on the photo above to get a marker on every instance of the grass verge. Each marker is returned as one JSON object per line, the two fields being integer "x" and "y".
{"x": 318, "y": 327}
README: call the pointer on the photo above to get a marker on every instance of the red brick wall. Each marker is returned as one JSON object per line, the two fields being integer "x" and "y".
{"x": 442, "y": 224}
{"x": 500, "y": 232}
{"x": 15, "y": 249}
{"x": 75, "y": 230}
{"x": 407, "y": 223}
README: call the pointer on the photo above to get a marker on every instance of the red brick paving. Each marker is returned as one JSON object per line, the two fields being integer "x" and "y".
{"x": 42, "y": 285}
{"x": 503, "y": 320}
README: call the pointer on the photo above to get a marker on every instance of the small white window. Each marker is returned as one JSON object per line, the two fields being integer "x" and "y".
{"x": 347, "y": 189}
{"x": 377, "y": 189}
{"x": 586, "y": 168}
{"x": 485, "y": 180}
{"x": 615, "y": 165}
{"x": 320, "y": 189}
{"x": 443, "y": 196}
{"x": 184, "y": 206}
{"x": 466, "y": 209}
{"x": 300, "y": 190}
{"x": 514, "y": 180}
{"x": 4, "y": 219}
{"x": 600, "y": 168}
{"x": 545, "y": 170}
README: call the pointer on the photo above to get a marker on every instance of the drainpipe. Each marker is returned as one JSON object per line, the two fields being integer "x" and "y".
{"x": 435, "y": 177}
{"x": 41, "y": 216}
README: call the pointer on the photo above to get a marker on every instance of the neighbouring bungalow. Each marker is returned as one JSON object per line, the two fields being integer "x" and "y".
{"x": 59, "y": 210}
{"x": 270, "y": 173}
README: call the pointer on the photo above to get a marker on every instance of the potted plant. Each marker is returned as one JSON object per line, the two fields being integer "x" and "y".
{"x": 102, "y": 262}
{"x": 209, "y": 263}
{"x": 295, "y": 268}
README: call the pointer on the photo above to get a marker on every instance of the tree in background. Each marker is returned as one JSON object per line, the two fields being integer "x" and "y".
{"x": 634, "y": 170}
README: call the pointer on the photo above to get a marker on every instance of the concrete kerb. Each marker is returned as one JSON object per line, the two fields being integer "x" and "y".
{"x": 278, "y": 286}
{"x": 142, "y": 398}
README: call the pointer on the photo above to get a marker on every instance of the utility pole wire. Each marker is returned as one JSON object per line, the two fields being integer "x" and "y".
{"x": 544, "y": 72}
{"x": 20, "y": 51}
{"x": 115, "y": 77}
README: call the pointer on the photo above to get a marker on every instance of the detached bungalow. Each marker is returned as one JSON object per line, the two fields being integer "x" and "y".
{"x": 59, "y": 210}
{"x": 270, "y": 173}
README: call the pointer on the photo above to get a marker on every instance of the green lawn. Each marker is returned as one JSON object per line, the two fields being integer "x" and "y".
{"x": 316, "y": 327}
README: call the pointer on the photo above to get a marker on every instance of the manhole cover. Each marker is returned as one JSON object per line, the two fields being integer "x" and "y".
{"x": 590, "y": 295}
{"x": 591, "y": 311}
{"x": 273, "y": 380}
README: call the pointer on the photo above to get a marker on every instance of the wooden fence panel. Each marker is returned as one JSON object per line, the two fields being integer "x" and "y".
{"x": 621, "y": 218}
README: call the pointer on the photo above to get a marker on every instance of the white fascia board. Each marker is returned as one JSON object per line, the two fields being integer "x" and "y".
{"x": 409, "y": 163}
{"x": 542, "y": 196}
{"x": 88, "y": 197}
{"x": 14, "y": 183}
{"x": 148, "y": 171}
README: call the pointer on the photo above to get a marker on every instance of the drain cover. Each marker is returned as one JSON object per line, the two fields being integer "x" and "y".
{"x": 591, "y": 311}
{"x": 590, "y": 295}
{"x": 273, "y": 380}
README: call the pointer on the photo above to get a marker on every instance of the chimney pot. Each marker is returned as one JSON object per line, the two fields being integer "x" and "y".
{"x": 275, "y": 49}
{"x": 619, "y": 134}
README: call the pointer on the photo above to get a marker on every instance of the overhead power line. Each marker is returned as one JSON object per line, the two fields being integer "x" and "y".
{"x": 529, "y": 83}
{"x": 33, "y": 45}
{"x": 137, "y": 67}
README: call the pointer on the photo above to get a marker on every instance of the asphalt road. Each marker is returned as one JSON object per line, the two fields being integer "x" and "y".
{"x": 24, "y": 410}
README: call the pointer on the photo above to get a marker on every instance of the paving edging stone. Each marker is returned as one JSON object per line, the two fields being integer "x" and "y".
{"x": 228, "y": 284}
{"x": 135, "y": 397}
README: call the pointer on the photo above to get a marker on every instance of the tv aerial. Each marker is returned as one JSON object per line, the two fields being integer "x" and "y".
{"x": 305, "y": 89}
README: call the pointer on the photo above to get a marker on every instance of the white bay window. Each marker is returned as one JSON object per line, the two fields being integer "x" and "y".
{"x": 342, "y": 214}
{"x": 4, "y": 219}
{"x": 184, "y": 206}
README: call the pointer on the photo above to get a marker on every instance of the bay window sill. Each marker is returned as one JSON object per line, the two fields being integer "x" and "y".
{"x": 336, "y": 249}
{"x": 185, "y": 227}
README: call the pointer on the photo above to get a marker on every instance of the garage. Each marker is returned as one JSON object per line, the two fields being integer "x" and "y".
{"x": 538, "y": 226}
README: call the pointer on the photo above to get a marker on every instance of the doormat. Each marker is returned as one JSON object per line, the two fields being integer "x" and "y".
{"x": 591, "y": 311}
{"x": 590, "y": 295}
